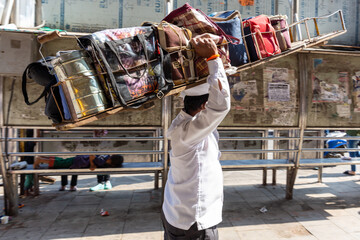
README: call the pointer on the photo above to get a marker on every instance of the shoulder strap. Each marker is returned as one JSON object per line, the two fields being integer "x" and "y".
{"x": 24, "y": 91}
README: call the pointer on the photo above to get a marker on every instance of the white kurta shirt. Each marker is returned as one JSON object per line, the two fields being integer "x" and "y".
{"x": 194, "y": 189}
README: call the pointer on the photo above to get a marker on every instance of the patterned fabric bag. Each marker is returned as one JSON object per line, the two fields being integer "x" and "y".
{"x": 201, "y": 64}
{"x": 131, "y": 62}
{"x": 199, "y": 23}
{"x": 179, "y": 58}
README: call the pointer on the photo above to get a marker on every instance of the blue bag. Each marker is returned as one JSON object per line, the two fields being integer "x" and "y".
{"x": 230, "y": 23}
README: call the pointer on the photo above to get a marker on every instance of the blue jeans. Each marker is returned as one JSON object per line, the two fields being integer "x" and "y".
{"x": 353, "y": 144}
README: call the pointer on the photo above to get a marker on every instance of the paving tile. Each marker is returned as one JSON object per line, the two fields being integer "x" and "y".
{"x": 228, "y": 233}
{"x": 148, "y": 222}
{"x": 115, "y": 215}
{"x": 246, "y": 222}
{"x": 144, "y": 207}
{"x": 356, "y": 235}
{"x": 157, "y": 235}
{"x": 61, "y": 236}
{"x": 105, "y": 236}
{"x": 22, "y": 234}
{"x": 259, "y": 234}
{"x": 349, "y": 224}
{"x": 107, "y": 228}
{"x": 313, "y": 216}
{"x": 87, "y": 199}
{"x": 309, "y": 237}
{"x": 237, "y": 208}
{"x": 232, "y": 196}
{"x": 354, "y": 211}
{"x": 119, "y": 194}
{"x": 290, "y": 230}
{"x": 32, "y": 225}
{"x": 328, "y": 231}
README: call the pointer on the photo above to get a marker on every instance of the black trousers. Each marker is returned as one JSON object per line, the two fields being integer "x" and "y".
{"x": 64, "y": 180}
{"x": 173, "y": 233}
{"x": 103, "y": 178}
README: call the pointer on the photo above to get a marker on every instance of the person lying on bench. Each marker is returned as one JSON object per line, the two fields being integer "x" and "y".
{"x": 79, "y": 161}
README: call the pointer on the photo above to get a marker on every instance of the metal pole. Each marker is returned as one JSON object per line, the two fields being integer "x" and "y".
{"x": 276, "y": 7}
{"x": 9, "y": 200}
{"x": 169, "y": 6}
{"x": 302, "y": 124}
{"x": 38, "y": 13}
{"x": 2, "y": 80}
{"x": 294, "y": 17}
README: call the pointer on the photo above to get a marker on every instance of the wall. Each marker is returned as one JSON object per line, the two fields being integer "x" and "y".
{"x": 334, "y": 90}
{"x": 264, "y": 96}
{"x": 90, "y": 16}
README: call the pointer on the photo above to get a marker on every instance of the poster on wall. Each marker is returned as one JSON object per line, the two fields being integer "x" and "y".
{"x": 356, "y": 91}
{"x": 278, "y": 84}
{"x": 244, "y": 93}
{"x": 326, "y": 91}
{"x": 280, "y": 102}
{"x": 278, "y": 92}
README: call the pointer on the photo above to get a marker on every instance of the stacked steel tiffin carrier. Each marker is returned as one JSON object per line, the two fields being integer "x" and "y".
{"x": 127, "y": 67}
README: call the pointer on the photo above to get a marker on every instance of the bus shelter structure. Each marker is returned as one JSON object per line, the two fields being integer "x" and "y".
{"x": 280, "y": 108}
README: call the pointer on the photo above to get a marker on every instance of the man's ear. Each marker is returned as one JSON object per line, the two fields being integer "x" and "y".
{"x": 203, "y": 106}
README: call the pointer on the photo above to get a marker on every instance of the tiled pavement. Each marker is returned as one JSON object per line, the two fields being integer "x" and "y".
{"x": 328, "y": 210}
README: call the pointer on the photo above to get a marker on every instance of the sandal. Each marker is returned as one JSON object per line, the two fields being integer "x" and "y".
{"x": 347, "y": 172}
{"x": 73, "y": 189}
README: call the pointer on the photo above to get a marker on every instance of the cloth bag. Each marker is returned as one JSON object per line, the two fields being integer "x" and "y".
{"x": 279, "y": 22}
{"x": 230, "y": 23}
{"x": 260, "y": 37}
{"x": 199, "y": 23}
{"x": 130, "y": 60}
{"x": 178, "y": 55}
{"x": 200, "y": 62}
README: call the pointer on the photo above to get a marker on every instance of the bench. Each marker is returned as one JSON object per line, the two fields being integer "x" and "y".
{"x": 321, "y": 162}
{"x": 316, "y": 162}
{"x": 128, "y": 167}
{"x": 236, "y": 165}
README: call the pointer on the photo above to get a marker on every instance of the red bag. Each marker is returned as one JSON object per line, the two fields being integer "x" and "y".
{"x": 264, "y": 35}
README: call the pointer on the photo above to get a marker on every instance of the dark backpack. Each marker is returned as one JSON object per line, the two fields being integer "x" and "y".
{"x": 39, "y": 71}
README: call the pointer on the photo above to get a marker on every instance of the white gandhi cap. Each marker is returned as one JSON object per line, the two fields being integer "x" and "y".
{"x": 196, "y": 91}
